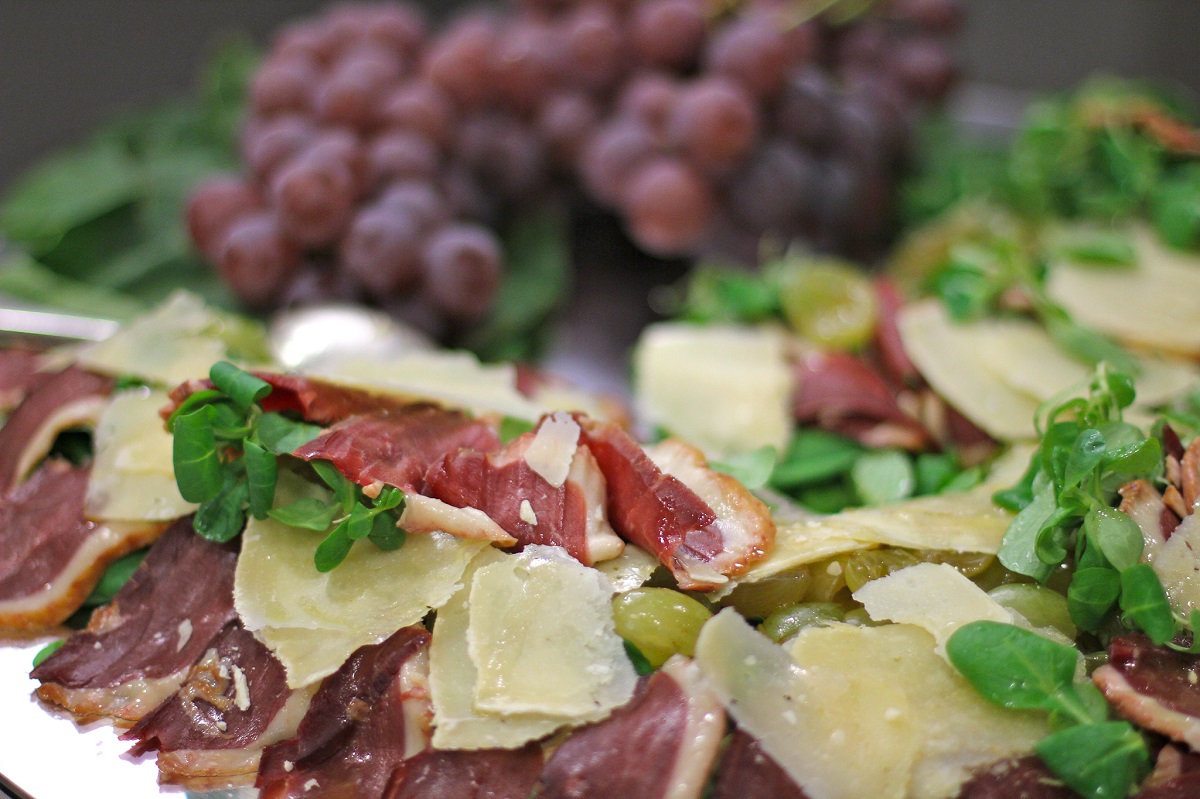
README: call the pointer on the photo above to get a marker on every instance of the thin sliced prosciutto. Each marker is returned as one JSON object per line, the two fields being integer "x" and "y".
{"x": 702, "y": 525}
{"x": 662, "y": 745}
{"x": 138, "y": 650}
{"x": 475, "y": 774}
{"x": 70, "y": 398}
{"x": 51, "y": 557}
{"x": 19, "y": 374}
{"x": 398, "y": 447}
{"x": 1154, "y": 687}
{"x": 211, "y": 732}
{"x": 365, "y": 719}
{"x": 747, "y": 771}
{"x": 544, "y": 488}
{"x": 1017, "y": 778}
{"x": 313, "y": 400}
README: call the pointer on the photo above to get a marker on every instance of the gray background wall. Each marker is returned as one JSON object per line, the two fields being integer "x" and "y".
{"x": 65, "y": 65}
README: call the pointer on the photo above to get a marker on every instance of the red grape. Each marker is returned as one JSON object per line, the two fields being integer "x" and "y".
{"x": 596, "y": 47}
{"x": 526, "y": 62}
{"x": 256, "y": 260}
{"x": 612, "y": 155}
{"x": 399, "y": 155}
{"x": 352, "y": 94}
{"x": 460, "y": 61}
{"x": 284, "y": 85}
{"x": 669, "y": 33}
{"x": 715, "y": 123}
{"x": 462, "y": 270}
{"x": 417, "y": 200}
{"x": 422, "y": 108}
{"x": 270, "y": 144}
{"x": 564, "y": 123}
{"x": 752, "y": 50}
{"x": 650, "y": 97}
{"x": 381, "y": 250}
{"x": 668, "y": 206}
{"x": 216, "y": 205}
{"x": 314, "y": 197}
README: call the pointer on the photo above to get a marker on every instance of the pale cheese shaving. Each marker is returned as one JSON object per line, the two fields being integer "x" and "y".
{"x": 553, "y": 448}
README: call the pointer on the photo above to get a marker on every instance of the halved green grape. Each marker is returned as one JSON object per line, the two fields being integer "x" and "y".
{"x": 828, "y": 302}
{"x": 1043, "y": 607}
{"x": 866, "y": 565}
{"x": 660, "y": 622}
{"x": 787, "y": 621}
{"x": 971, "y": 564}
{"x": 760, "y": 599}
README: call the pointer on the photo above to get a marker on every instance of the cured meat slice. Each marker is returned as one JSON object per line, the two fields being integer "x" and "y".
{"x": 543, "y": 488}
{"x": 313, "y": 400}
{"x": 461, "y": 774}
{"x": 746, "y": 771}
{"x": 70, "y": 398}
{"x": 397, "y": 448}
{"x": 1015, "y": 778}
{"x": 841, "y": 393}
{"x": 662, "y": 745}
{"x": 1141, "y": 502}
{"x": 365, "y": 719}
{"x": 1154, "y": 687}
{"x": 211, "y": 732}
{"x": 702, "y": 525}
{"x": 137, "y": 650}
{"x": 50, "y": 556}
{"x": 886, "y": 337}
{"x": 18, "y": 375}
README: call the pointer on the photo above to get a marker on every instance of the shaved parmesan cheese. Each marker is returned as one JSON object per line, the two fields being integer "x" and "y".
{"x": 542, "y": 638}
{"x": 629, "y": 570}
{"x": 1177, "y": 563}
{"x": 725, "y": 389}
{"x": 553, "y": 448}
{"x": 1152, "y": 305}
{"x": 133, "y": 476}
{"x": 848, "y": 691}
{"x": 935, "y": 597}
{"x": 313, "y": 621}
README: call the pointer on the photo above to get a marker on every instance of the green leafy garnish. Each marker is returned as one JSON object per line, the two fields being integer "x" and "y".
{"x": 114, "y": 578}
{"x": 511, "y": 427}
{"x": 45, "y": 652}
{"x": 751, "y": 469}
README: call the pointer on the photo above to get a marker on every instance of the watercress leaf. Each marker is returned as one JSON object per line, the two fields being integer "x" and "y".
{"x": 45, "y": 652}
{"x": 814, "y": 456}
{"x": 343, "y": 489}
{"x": 1194, "y": 627}
{"x": 1099, "y": 761}
{"x": 358, "y": 524}
{"x": 221, "y": 518}
{"x": 933, "y": 470}
{"x": 242, "y": 388}
{"x": 1088, "y": 345}
{"x": 282, "y": 435}
{"x": 1144, "y": 603}
{"x": 262, "y": 471}
{"x": 1021, "y": 494}
{"x": 1009, "y": 666}
{"x": 882, "y": 476}
{"x": 307, "y": 513}
{"x": 1057, "y": 444}
{"x": 511, "y": 427}
{"x": 641, "y": 664}
{"x": 1140, "y": 459}
{"x": 1117, "y": 536}
{"x": 1018, "y": 549}
{"x": 963, "y": 481}
{"x": 196, "y": 462}
{"x": 333, "y": 549}
{"x": 1091, "y": 596}
{"x": 115, "y": 576}
{"x": 1052, "y": 540}
{"x": 827, "y": 498}
{"x": 390, "y": 497}
{"x": 751, "y": 469}
{"x": 1093, "y": 246}
{"x": 1092, "y": 700}
{"x": 193, "y": 401}
{"x": 1086, "y": 453}
{"x": 385, "y": 534}
{"x": 1118, "y": 383}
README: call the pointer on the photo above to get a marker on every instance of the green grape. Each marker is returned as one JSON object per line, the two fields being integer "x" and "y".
{"x": 786, "y": 622}
{"x": 660, "y": 622}
{"x": 1043, "y": 607}
{"x": 970, "y": 564}
{"x": 760, "y": 599}
{"x": 866, "y": 565}
{"x": 828, "y": 302}
{"x": 828, "y": 579}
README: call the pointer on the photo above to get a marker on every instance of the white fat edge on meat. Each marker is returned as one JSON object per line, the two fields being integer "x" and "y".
{"x": 1146, "y": 711}
{"x": 1177, "y": 564}
{"x": 416, "y": 704}
{"x": 84, "y": 412}
{"x": 423, "y": 514}
{"x": 701, "y": 738}
{"x": 602, "y": 541}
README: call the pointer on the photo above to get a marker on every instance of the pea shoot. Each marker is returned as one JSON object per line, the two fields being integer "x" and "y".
{"x": 226, "y": 457}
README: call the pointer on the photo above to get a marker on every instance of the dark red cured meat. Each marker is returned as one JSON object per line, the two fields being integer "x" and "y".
{"x": 19, "y": 374}
{"x": 747, "y": 771}
{"x": 631, "y": 753}
{"x": 647, "y": 507}
{"x": 886, "y": 338}
{"x": 352, "y": 737}
{"x": 1021, "y": 778}
{"x": 397, "y": 448}
{"x": 41, "y": 527}
{"x": 841, "y": 393}
{"x": 313, "y": 400}
{"x": 1185, "y": 786}
{"x": 1153, "y": 686}
{"x": 205, "y": 712}
{"x": 498, "y": 485}
{"x": 184, "y": 577}
{"x": 25, "y": 427}
{"x": 476, "y": 774}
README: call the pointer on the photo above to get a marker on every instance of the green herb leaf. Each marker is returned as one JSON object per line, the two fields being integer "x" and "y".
{"x": 282, "y": 435}
{"x": 883, "y": 476}
{"x": 307, "y": 513}
{"x": 243, "y": 388}
{"x": 343, "y": 490}
{"x": 751, "y": 469}
{"x": 1094, "y": 246}
{"x": 1144, "y": 603}
{"x": 1117, "y": 536}
{"x": 1086, "y": 344}
{"x": 1086, "y": 454}
{"x": 194, "y": 455}
{"x": 194, "y": 400}
{"x": 359, "y": 522}
{"x": 1018, "y": 549}
{"x": 115, "y": 577}
{"x": 333, "y": 550}
{"x": 385, "y": 534}
{"x": 1091, "y": 596}
{"x": 1099, "y": 761}
{"x": 1012, "y": 667}
{"x": 221, "y": 518}
{"x": 262, "y": 472}
{"x": 390, "y": 497}
{"x": 45, "y": 652}
{"x": 814, "y": 456}
{"x": 511, "y": 427}
{"x": 933, "y": 471}
{"x": 641, "y": 664}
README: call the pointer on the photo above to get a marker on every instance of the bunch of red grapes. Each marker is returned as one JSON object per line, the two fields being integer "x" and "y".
{"x": 381, "y": 157}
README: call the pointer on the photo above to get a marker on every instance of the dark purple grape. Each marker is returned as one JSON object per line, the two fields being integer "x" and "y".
{"x": 308, "y": 39}
{"x": 460, "y": 61}
{"x": 462, "y": 270}
{"x": 613, "y": 155}
{"x": 353, "y": 93}
{"x": 400, "y": 28}
{"x": 399, "y": 155}
{"x": 465, "y": 196}
{"x": 564, "y": 123}
{"x": 715, "y": 124}
{"x": 668, "y": 206}
{"x": 417, "y": 200}
{"x": 269, "y": 144}
{"x": 925, "y": 66}
{"x": 284, "y": 85}
{"x": 214, "y": 207}
{"x": 507, "y": 156}
{"x": 318, "y": 283}
{"x": 527, "y": 62}
{"x": 771, "y": 193}
{"x": 257, "y": 260}
{"x": 650, "y": 97}
{"x": 345, "y": 148}
{"x": 422, "y": 108}
{"x": 805, "y": 112}
{"x": 669, "y": 33}
{"x": 596, "y": 48}
{"x": 936, "y": 16}
{"x": 382, "y": 250}
{"x": 753, "y": 50}
{"x": 314, "y": 197}
{"x": 864, "y": 46}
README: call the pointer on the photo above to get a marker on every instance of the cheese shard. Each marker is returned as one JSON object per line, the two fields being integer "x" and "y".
{"x": 629, "y": 570}
{"x": 133, "y": 476}
{"x": 878, "y": 698}
{"x": 316, "y": 620}
{"x": 935, "y": 597}
{"x": 542, "y": 638}
{"x": 1177, "y": 564}
{"x": 724, "y": 388}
